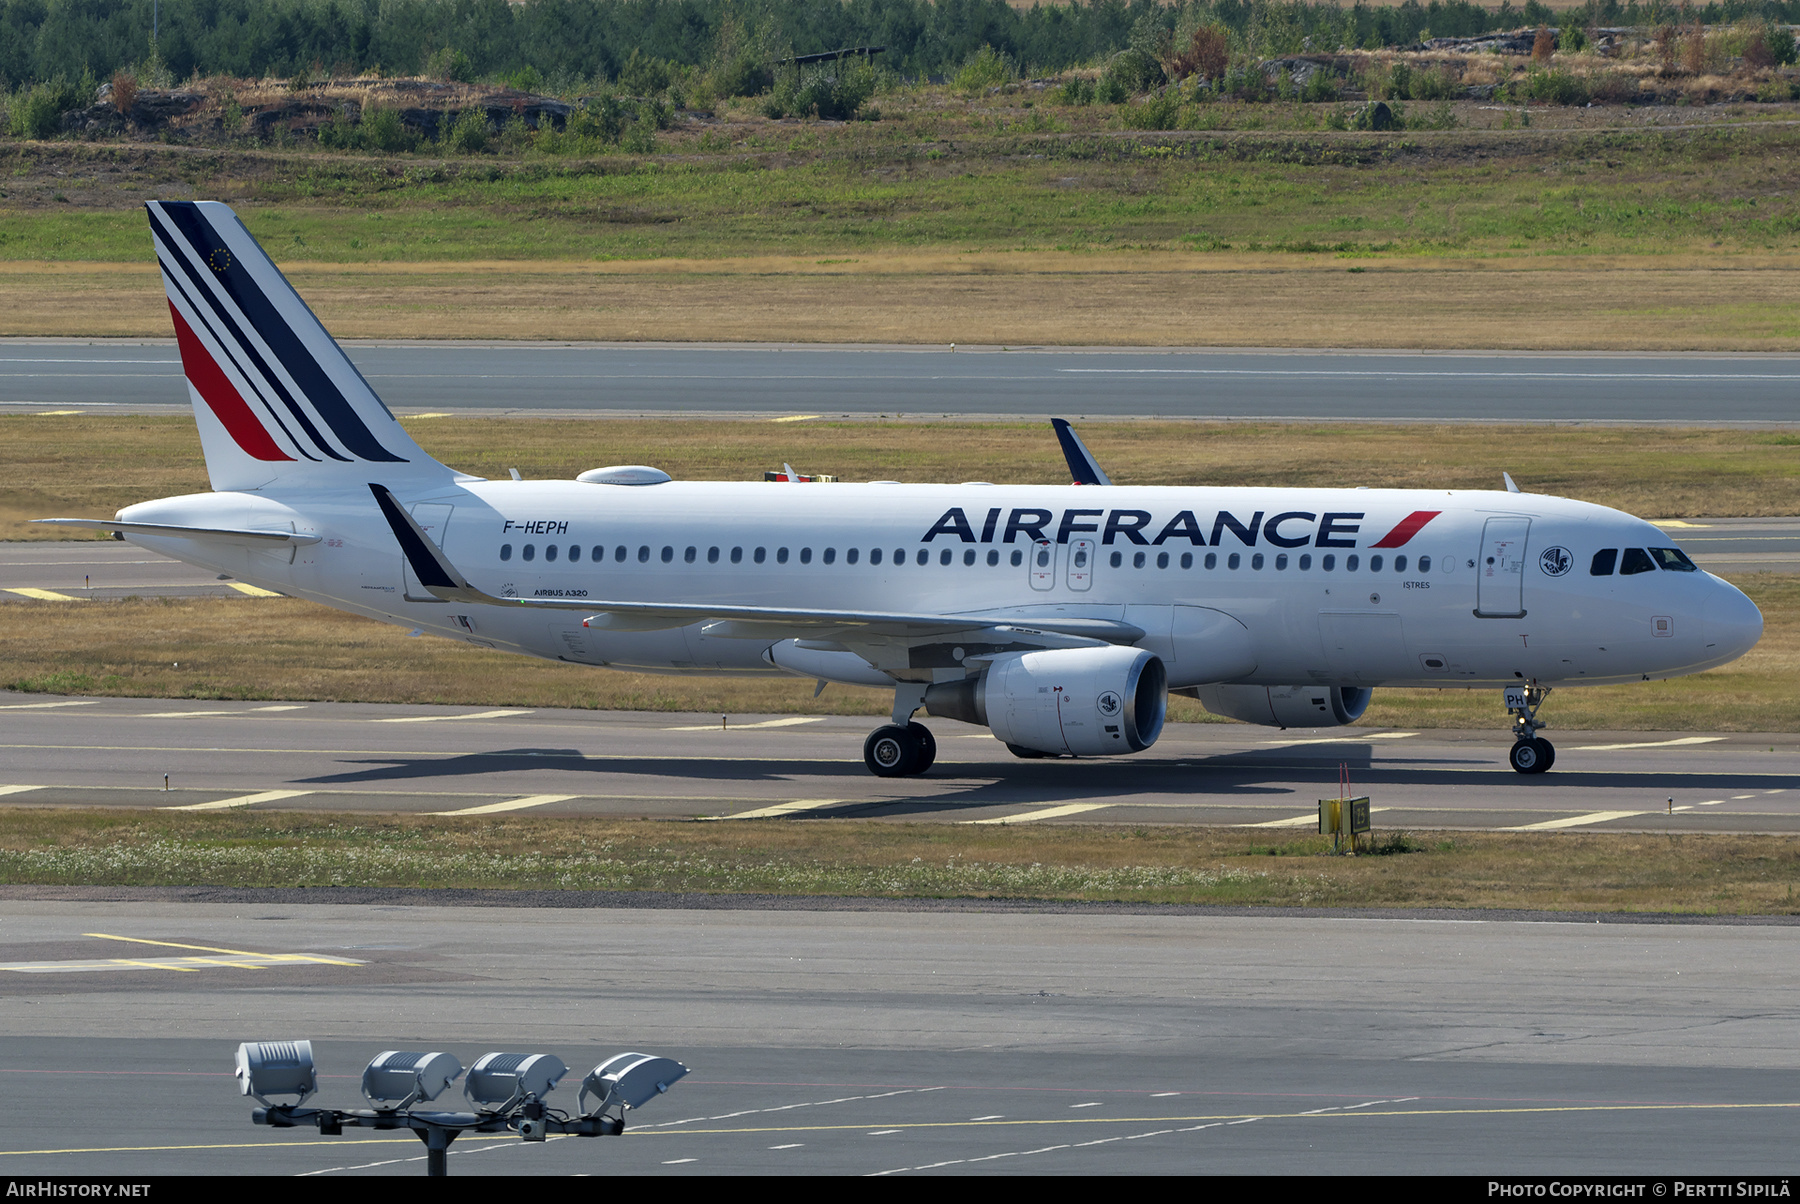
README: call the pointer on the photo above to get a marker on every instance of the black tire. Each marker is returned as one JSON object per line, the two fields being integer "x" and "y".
{"x": 1527, "y": 757}
{"x": 1028, "y": 754}
{"x": 891, "y": 751}
{"x": 1548, "y": 751}
{"x": 927, "y": 746}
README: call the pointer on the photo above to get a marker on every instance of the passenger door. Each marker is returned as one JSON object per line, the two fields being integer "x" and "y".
{"x": 1500, "y": 571}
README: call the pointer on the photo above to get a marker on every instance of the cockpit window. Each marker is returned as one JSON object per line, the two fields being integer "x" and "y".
{"x": 1674, "y": 560}
{"x": 1604, "y": 560}
{"x": 1636, "y": 561}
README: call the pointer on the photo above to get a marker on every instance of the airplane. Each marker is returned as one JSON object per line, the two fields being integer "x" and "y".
{"x": 1060, "y": 617}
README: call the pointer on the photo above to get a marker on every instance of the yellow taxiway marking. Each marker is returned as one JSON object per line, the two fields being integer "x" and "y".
{"x": 1352, "y": 739}
{"x": 44, "y": 706}
{"x": 1675, "y": 523}
{"x": 1576, "y": 821}
{"x": 1648, "y": 744}
{"x": 803, "y": 804}
{"x": 285, "y": 957}
{"x": 791, "y": 721}
{"x": 443, "y": 718}
{"x": 44, "y": 595}
{"x": 57, "y": 413}
{"x": 255, "y": 591}
{"x": 438, "y": 415}
{"x": 1300, "y": 821}
{"x": 789, "y": 418}
{"x": 242, "y": 800}
{"x": 253, "y": 1145}
{"x": 513, "y": 804}
{"x": 1044, "y": 813}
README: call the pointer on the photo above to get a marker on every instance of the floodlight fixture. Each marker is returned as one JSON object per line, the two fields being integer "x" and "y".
{"x": 267, "y": 1068}
{"x": 630, "y": 1080}
{"x": 401, "y": 1078}
{"x": 498, "y": 1081}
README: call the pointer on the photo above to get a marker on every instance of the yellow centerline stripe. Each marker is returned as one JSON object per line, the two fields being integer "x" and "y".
{"x": 284, "y": 957}
{"x": 127, "y": 961}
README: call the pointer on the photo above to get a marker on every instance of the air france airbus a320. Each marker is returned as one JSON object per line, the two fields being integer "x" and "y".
{"x": 1059, "y": 617}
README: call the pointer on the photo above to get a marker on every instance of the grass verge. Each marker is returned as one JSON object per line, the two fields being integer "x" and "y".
{"x": 245, "y": 648}
{"x": 1702, "y": 875}
{"x": 91, "y": 466}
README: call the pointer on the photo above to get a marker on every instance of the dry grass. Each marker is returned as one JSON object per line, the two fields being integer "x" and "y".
{"x": 81, "y": 466}
{"x": 288, "y": 649}
{"x": 1705, "y": 875}
{"x": 1047, "y": 297}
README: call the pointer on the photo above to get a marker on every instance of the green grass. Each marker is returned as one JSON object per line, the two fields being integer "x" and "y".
{"x": 1708, "y": 875}
{"x": 1458, "y": 193}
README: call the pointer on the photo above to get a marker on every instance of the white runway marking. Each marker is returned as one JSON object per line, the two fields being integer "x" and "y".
{"x": 793, "y": 721}
{"x": 1648, "y": 744}
{"x": 1045, "y": 813}
{"x": 1576, "y": 821}
{"x": 1300, "y": 821}
{"x": 516, "y": 804}
{"x": 245, "y": 800}
{"x": 446, "y": 718}
{"x": 218, "y": 714}
{"x": 18, "y": 789}
{"x": 1345, "y": 739}
{"x": 44, "y": 706}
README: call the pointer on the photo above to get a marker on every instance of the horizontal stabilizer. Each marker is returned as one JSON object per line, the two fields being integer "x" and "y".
{"x": 218, "y": 534}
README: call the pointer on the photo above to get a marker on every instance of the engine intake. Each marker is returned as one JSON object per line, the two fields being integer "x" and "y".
{"x": 1083, "y": 702}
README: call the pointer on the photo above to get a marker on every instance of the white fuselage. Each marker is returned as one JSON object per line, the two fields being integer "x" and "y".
{"x": 1352, "y": 587}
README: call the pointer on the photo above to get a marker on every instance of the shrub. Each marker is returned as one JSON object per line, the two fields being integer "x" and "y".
{"x": 834, "y": 91}
{"x": 231, "y": 115}
{"x": 1129, "y": 73}
{"x": 124, "y": 92}
{"x": 603, "y": 117}
{"x": 1441, "y": 116}
{"x": 742, "y": 75}
{"x": 1693, "y": 49}
{"x": 1161, "y": 112}
{"x": 1776, "y": 91}
{"x": 1542, "y": 46}
{"x": 469, "y": 133}
{"x": 1207, "y": 55}
{"x": 38, "y": 113}
{"x": 1571, "y": 38}
{"x": 1613, "y": 87}
{"x": 643, "y": 75}
{"x": 340, "y": 133}
{"x": 383, "y": 130}
{"x": 451, "y": 66}
{"x": 1321, "y": 87}
{"x": 1076, "y": 92}
{"x": 1436, "y": 84}
{"x": 986, "y": 69}
{"x": 1556, "y": 87}
{"x": 639, "y": 140}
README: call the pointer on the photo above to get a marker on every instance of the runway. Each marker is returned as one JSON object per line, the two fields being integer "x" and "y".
{"x": 1028, "y": 382}
{"x": 920, "y": 1043}
{"x": 344, "y": 757}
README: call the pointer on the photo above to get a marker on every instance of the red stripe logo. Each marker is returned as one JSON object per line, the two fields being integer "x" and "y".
{"x": 1409, "y": 526}
{"x": 216, "y": 389}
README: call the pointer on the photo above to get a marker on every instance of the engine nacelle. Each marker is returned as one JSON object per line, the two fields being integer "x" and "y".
{"x": 1086, "y": 702}
{"x": 1285, "y": 706}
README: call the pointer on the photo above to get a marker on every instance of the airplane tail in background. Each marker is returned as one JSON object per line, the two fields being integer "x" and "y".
{"x": 275, "y": 397}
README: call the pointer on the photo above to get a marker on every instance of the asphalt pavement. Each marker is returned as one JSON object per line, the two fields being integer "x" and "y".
{"x": 935, "y": 381}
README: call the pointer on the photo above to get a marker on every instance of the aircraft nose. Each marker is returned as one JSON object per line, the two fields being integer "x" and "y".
{"x": 1731, "y": 621}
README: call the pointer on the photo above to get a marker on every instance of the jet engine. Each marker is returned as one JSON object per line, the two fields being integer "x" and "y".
{"x": 1083, "y": 702}
{"x": 1285, "y": 706}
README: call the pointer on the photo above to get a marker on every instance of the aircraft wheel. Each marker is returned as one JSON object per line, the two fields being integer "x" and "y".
{"x": 1549, "y": 751}
{"x": 1528, "y": 756}
{"x": 927, "y": 746}
{"x": 1029, "y": 754}
{"x": 891, "y": 751}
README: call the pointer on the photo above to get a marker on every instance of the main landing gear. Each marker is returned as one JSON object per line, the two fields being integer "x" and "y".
{"x": 1531, "y": 753}
{"x": 897, "y": 751}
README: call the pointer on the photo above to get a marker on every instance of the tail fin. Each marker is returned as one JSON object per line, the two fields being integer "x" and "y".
{"x": 275, "y": 397}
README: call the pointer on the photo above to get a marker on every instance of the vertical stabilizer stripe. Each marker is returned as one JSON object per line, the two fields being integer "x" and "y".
{"x": 277, "y": 332}
{"x": 202, "y": 298}
{"x": 220, "y": 395}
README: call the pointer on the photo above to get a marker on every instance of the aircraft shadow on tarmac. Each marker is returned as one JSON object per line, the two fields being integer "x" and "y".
{"x": 1250, "y": 775}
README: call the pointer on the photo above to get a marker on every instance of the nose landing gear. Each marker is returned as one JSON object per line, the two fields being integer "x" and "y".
{"x": 1531, "y": 753}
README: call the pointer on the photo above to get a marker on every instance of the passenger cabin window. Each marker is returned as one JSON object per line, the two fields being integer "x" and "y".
{"x": 1018, "y": 558}
{"x": 1674, "y": 560}
{"x": 530, "y": 552}
{"x": 506, "y": 551}
{"x": 1604, "y": 560}
{"x": 550, "y": 552}
{"x": 1636, "y": 561}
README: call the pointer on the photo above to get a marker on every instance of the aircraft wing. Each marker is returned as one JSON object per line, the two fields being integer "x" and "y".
{"x": 217, "y": 534}
{"x": 444, "y": 580}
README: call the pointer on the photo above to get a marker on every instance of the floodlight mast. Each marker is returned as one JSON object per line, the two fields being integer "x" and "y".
{"x": 507, "y": 1089}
